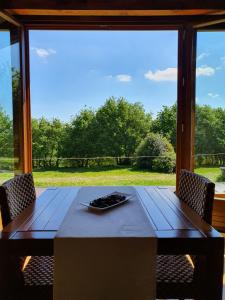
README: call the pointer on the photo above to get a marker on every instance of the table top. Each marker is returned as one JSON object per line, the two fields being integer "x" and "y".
{"x": 127, "y": 220}
{"x": 174, "y": 223}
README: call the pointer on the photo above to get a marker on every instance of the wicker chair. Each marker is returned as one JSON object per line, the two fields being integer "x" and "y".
{"x": 35, "y": 281}
{"x": 176, "y": 276}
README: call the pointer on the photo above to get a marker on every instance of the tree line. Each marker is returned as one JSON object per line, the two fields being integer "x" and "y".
{"x": 118, "y": 133}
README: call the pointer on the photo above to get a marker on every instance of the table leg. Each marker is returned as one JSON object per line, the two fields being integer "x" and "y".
{"x": 11, "y": 281}
{"x": 214, "y": 270}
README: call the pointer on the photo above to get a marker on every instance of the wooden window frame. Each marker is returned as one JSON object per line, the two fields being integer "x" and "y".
{"x": 185, "y": 85}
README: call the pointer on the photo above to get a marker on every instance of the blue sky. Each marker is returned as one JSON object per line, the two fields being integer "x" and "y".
{"x": 210, "y": 85}
{"x": 73, "y": 69}
{"x": 5, "y": 73}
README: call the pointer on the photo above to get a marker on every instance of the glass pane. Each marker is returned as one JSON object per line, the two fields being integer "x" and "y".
{"x": 10, "y": 103}
{"x": 99, "y": 99}
{"x": 210, "y": 109}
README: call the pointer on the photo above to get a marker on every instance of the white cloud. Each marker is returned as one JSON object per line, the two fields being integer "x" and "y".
{"x": 205, "y": 71}
{"x": 124, "y": 77}
{"x": 42, "y": 52}
{"x": 202, "y": 55}
{"x": 169, "y": 74}
{"x": 211, "y": 95}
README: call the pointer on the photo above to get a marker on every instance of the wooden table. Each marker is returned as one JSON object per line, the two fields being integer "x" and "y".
{"x": 178, "y": 229}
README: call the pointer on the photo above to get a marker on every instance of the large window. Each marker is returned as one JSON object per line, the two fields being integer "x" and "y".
{"x": 210, "y": 107}
{"x": 10, "y": 102}
{"x": 103, "y": 107}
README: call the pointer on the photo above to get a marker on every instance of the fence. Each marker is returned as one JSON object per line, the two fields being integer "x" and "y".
{"x": 201, "y": 160}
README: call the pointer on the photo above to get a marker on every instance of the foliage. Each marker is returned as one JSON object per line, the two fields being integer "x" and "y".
{"x": 47, "y": 141}
{"x": 115, "y": 129}
{"x": 6, "y": 135}
{"x": 210, "y": 126}
{"x": 120, "y": 126}
{"x": 164, "y": 164}
{"x": 79, "y": 140}
{"x": 155, "y": 152}
{"x": 166, "y": 123}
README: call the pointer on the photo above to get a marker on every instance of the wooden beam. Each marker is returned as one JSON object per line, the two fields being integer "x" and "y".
{"x": 209, "y": 23}
{"x": 108, "y": 22}
{"x": 113, "y": 4}
{"x": 7, "y": 17}
{"x": 186, "y": 99}
{"x": 115, "y": 12}
{"x": 26, "y": 114}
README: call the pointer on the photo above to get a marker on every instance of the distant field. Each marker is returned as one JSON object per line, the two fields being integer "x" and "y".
{"x": 107, "y": 176}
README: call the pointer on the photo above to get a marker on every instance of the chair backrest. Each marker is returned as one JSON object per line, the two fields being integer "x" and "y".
{"x": 198, "y": 192}
{"x": 15, "y": 195}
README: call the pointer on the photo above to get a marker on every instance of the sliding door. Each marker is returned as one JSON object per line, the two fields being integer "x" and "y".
{"x": 11, "y": 121}
{"x": 210, "y": 107}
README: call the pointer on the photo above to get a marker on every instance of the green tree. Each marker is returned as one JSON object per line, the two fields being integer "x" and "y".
{"x": 47, "y": 140}
{"x": 79, "y": 139}
{"x": 205, "y": 130}
{"x": 6, "y": 135}
{"x": 166, "y": 123}
{"x": 210, "y": 126}
{"x": 120, "y": 126}
{"x": 156, "y": 153}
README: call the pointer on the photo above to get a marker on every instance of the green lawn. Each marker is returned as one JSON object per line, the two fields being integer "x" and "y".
{"x": 107, "y": 176}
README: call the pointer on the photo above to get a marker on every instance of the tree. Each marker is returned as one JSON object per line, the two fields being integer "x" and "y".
{"x": 166, "y": 123}
{"x": 80, "y": 140}
{"x": 210, "y": 126}
{"x": 156, "y": 153}
{"x": 6, "y": 135}
{"x": 120, "y": 126}
{"x": 47, "y": 140}
{"x": 205, "y": 130}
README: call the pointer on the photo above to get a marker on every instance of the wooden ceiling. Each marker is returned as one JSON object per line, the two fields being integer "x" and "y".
{"x": 113, "y": 7}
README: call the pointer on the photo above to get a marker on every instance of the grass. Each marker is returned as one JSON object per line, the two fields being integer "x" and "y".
{"x": 107, "y": 176}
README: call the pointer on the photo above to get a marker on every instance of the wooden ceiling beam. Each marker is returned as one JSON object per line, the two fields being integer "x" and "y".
{"x": 209, "y": 23}
{"x": 115, "y": 12}
{"x": 7, "y": 17}
{"x": 113, "y": 21}
{"x": 113, "y": 4}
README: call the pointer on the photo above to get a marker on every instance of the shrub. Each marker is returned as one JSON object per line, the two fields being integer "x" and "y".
{"x": 164, "y": 164}
{"x": 156, "y": 153}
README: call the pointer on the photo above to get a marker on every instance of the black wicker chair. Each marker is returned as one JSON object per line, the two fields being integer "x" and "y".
{"x": 176, "y": 274}
{"x": 35, "y": 281}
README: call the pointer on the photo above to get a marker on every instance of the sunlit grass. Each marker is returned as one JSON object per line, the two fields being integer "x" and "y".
{"x": 107, "y": 176}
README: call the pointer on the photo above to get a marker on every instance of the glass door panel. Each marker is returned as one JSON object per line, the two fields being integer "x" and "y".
{"x": 10, "y": 102}
{"x": 210, "y": 108}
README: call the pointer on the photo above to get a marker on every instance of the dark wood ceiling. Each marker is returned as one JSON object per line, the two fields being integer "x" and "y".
{"x": 113, "y": 7}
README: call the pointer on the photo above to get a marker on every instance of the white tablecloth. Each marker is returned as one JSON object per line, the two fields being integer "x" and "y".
{"x": 105, "y": 256}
